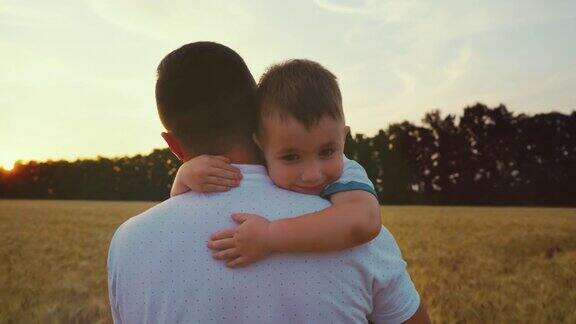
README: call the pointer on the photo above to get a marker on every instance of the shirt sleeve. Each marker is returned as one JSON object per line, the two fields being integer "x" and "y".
{"x": 395, "y": 298}
{"x": 112, "y": 282}
{"x": 353, "y": 177}
{"x": 397, "y": 302}
{"x": 113, "y": 304}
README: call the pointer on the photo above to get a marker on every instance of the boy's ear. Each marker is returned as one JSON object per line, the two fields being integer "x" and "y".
{"x": 257, "y": 141}
{"x": 346, "y": 130}
{"x": 174, "y": 145}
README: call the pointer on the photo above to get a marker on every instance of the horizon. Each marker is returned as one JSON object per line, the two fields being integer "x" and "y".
{"x": 130, "y": 155}
{"x": 394, "y": 60}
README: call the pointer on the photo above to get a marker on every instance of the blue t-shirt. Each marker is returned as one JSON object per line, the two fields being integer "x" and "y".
{"x": 353, "y": 177}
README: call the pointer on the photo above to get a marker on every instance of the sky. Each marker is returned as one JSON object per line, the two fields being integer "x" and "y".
{"x": 77, "y": 77}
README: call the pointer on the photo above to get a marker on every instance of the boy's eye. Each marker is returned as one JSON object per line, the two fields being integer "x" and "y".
{"x": 290, "y": 157}
{"x": 327, "y": 152}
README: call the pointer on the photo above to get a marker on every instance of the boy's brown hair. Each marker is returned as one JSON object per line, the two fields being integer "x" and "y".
{"x": 301, "y": 89}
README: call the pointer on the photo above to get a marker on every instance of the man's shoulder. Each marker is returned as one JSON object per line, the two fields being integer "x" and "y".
{"x": 383, "y": 249}
{"x": 386, "y": 239}
{"x": 146, "y": 220}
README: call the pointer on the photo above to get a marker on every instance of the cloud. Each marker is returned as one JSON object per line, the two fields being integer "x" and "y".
{"x": 181, "y": 20}
{"x": 333, "y": 6}
{"x": 437, "y": 52}
{"x": 457, "y": 68}
{"x": 408, "y": 81}
{"x": 26, "y": 14}
{"x": 445, "y": 20}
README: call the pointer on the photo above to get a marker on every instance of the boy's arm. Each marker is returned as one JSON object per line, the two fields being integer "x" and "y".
{"x": 205, "y": 173}
{"x": 353, "y": 219}
{"x": 178, "y": 186}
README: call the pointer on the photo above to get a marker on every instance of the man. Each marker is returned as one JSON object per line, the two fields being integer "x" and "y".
{"x": 159, "y": 267}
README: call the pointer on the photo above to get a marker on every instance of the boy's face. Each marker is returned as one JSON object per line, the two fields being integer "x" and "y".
{"x": 300, "y": 159}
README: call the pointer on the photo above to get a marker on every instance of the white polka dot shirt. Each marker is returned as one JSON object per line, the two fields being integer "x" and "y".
{"x": 161, "y": 271}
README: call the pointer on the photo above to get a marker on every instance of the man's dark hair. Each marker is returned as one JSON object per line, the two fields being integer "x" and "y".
{"x": 301, "y": 89}
{"x": 205, "y": 96}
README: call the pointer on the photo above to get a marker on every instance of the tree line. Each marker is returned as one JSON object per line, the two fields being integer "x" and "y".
{"x": 487, "y": 156}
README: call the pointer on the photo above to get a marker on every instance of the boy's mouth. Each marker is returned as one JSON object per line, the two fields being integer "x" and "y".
{"x": 313, "y": 190}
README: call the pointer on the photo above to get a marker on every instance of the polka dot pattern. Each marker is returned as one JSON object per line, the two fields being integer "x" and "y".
{"x": 160, "y": 270}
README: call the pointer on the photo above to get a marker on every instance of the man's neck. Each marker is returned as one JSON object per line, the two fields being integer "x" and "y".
{"x": 244, "y": 154}
{"x": 247, "y": 153}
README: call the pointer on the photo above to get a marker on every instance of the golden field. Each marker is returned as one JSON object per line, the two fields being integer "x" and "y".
{"x": 470, "y": 264}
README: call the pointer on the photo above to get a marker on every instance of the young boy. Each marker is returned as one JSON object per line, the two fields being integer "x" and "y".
{"x": 301, "y": 134}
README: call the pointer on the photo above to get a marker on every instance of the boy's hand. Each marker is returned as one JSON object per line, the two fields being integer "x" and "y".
{"x": 245, "y": 244}
{"x": 206, "y": 173}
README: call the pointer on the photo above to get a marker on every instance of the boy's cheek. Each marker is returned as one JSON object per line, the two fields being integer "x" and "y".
{"x": 336, "y": 170}
{"x": 278, "y": 176}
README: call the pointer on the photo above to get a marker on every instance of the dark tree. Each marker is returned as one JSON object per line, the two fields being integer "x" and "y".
{"x": 488, "y": 156}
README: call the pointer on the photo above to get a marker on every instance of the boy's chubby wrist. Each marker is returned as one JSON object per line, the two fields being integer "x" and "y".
{"x": 184, "y": 170}
{"x": 274, "y": 235}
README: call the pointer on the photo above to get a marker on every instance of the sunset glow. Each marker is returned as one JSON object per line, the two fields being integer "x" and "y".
{"x": 7, "y": 165}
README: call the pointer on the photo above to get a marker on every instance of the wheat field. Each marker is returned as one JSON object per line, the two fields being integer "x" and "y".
{"x": 470, "y": 264}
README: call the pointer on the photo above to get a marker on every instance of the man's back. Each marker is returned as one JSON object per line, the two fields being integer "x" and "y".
{"x": 161, "y": 271}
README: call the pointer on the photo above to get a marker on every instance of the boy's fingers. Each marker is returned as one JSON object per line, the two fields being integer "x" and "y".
{"x": 226, "y": 254}
{"x": 223, "y": 234}
{"x": 223, "y": 165}
{"x": 221, "y": 158}
{"x": 240, "y": 217}
{"x": 229, "y": 174}
{"x": 238, "y": 262}
{"x": 221, "y": 244}
{"x": 214, "y": 188}
{"x": 222, "y": 182}
{"x": 225, "y": 174}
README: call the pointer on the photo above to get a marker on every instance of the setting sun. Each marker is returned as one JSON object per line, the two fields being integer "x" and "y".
{"x": 7, "y": 164}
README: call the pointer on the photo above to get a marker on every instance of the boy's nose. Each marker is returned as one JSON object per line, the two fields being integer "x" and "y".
{"x": 311, "y": 175}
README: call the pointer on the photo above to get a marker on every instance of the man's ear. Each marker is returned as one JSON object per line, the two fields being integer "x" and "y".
{"x": 174, "y": 145}
{"x": 257, "y": 141}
